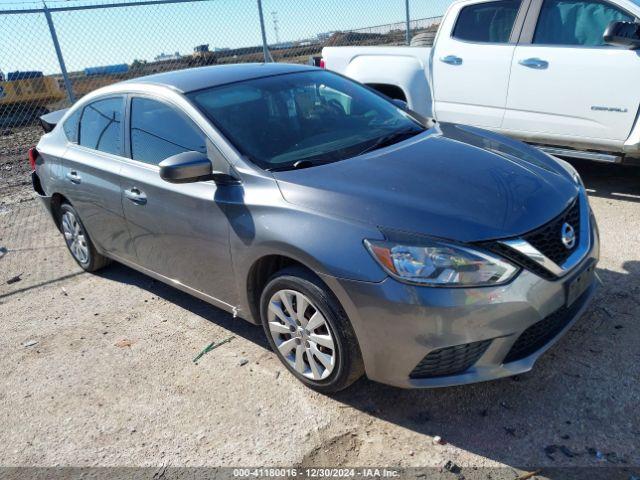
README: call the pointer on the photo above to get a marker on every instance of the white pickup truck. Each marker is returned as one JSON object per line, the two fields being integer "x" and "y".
{"x": 561, "y": 74}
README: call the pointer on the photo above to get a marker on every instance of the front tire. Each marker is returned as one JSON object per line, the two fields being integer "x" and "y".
{"x": 78, "y": 241}
{"x": 309, "y": 331}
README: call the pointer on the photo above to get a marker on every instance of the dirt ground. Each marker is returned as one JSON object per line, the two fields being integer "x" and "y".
{"x": 97, "y": 370}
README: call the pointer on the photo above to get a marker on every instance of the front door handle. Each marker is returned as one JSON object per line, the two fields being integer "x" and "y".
{"x": 451, "y": 60}
{"x": 536, "y": 63}
{"x": 136, "y": 196}
{"x": 73, "y": 177}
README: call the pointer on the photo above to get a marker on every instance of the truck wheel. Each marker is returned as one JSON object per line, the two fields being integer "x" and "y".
{"x": 309, "y": 331}
{"x": 78, "y": 241}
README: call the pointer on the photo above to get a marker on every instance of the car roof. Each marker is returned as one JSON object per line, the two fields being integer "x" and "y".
{"x": 193, "y": 79}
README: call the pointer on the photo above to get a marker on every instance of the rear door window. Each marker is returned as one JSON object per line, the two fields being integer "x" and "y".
{"x": 489, "y": 22}
{"x": 158, "y": 131}
{"x": 570, "y": 22}
{"x": 101, "y": 125}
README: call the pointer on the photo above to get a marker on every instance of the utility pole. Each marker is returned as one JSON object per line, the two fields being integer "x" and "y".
{"x": 406, "y": 8}
{"x": 265, "y": 47}
{"x": 56, "y": 46}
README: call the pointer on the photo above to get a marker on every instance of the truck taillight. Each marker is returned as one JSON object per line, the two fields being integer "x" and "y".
{"x": 322, "y": 64}
{"x": 33, "y": 155}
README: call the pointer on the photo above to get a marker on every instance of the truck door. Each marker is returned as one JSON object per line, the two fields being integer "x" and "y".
{"x": 566, "y": 84}
{"x": 471, "y": 61}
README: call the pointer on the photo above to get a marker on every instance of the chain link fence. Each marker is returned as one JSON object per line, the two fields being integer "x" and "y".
{"x": 54, "y": 54}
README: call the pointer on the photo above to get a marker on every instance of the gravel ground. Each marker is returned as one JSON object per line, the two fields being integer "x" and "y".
{"x": 97, "y": 370}
{"x": 14, "y": 166}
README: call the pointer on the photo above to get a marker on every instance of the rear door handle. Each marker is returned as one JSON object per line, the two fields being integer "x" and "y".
{"x": 536, "y": 63}
{"x": 73, "y": 177}
{"x": 136, "y": 196}
{"x": 451, "y": 60}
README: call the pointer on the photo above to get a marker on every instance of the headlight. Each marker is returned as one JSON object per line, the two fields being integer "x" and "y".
{"x": 439, "y": 264}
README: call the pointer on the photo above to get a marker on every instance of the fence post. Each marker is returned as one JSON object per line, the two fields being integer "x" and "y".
{"x": 265, "y": 48}
{"x": 406, "y": 8}
{"x": 56, "y": 45}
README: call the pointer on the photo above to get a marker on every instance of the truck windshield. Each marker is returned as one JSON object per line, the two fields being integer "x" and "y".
{"x": 305, "y": 118}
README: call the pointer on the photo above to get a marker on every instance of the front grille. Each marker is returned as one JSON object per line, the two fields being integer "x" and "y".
{"x": 548, "y": 238}
{"x": 539, "y": 334}
{"x": 450, "y": 360}
{"x": 520, "y": 259}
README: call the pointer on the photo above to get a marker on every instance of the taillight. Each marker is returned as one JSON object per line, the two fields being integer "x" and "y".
{"x": 33, "y": 155}
{"x": 322, "y": 64}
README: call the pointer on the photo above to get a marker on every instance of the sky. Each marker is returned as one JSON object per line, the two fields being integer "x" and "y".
{"x": 120, "y": 35}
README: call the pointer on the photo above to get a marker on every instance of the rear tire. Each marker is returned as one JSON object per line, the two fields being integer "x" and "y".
{"x": 318, "y": 345}
{"x": 78, "y": 241}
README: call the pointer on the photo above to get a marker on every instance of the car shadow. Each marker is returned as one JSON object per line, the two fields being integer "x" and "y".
{"x": 559, "y": 414}
{"x": 618, "y": 182}
{"x": 120, "y": 273}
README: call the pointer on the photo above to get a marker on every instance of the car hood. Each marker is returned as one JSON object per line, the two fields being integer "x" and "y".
{"x": 452, "y": 181}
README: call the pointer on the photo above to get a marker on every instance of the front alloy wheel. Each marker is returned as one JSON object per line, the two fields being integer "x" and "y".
{"x": 309, "y": 331}
{"x": 301, "y": 334}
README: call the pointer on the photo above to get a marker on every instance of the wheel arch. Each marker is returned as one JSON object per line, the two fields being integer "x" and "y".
{"x": 259, "y": 273}
{"x": 392, "y": 91}
{"x": 57, "y": 199}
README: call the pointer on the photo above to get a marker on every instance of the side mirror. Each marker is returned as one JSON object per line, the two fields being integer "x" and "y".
{"x": 189, "y": 167}
{"x": 623, "y": 34}
{"x": 186, "y": 167}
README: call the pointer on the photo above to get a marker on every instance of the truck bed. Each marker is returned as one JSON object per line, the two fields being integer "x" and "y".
{"x": 404, "y": 67}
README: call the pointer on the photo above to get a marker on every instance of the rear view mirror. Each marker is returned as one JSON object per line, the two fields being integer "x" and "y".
{"x": 186, "y": 167}
{"x": 623, "y": 34}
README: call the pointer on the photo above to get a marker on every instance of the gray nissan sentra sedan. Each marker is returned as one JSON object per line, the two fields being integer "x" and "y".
{"x": 364, "y": 238}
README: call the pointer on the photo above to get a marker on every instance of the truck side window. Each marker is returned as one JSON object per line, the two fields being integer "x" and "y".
{"x": 159, "y": 132}
{"x": 100, "y": 126}
{"x": 489, "y": 22}
{"x": 575, "y": 22}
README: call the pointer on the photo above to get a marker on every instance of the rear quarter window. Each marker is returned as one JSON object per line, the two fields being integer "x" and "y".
{"x": 70, "y": 126}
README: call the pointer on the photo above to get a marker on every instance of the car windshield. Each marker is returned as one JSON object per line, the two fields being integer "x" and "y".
{"x": 303, "y": 119}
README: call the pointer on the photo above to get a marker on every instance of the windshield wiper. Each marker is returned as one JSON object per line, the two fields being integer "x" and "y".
{"x": 390, "y": 139}
{"x": 300, "y": 164}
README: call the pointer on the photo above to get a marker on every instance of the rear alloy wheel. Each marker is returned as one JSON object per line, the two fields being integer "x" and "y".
{"x": 78, "y": 241}
{"x": 75, "y": 237}
{"x": 309, "y": 331}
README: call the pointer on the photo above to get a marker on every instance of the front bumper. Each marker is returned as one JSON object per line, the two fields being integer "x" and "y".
{"x": 398, "y": 325}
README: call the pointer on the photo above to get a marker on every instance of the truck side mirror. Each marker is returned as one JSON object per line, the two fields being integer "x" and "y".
{"x": 623, "y": 34}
